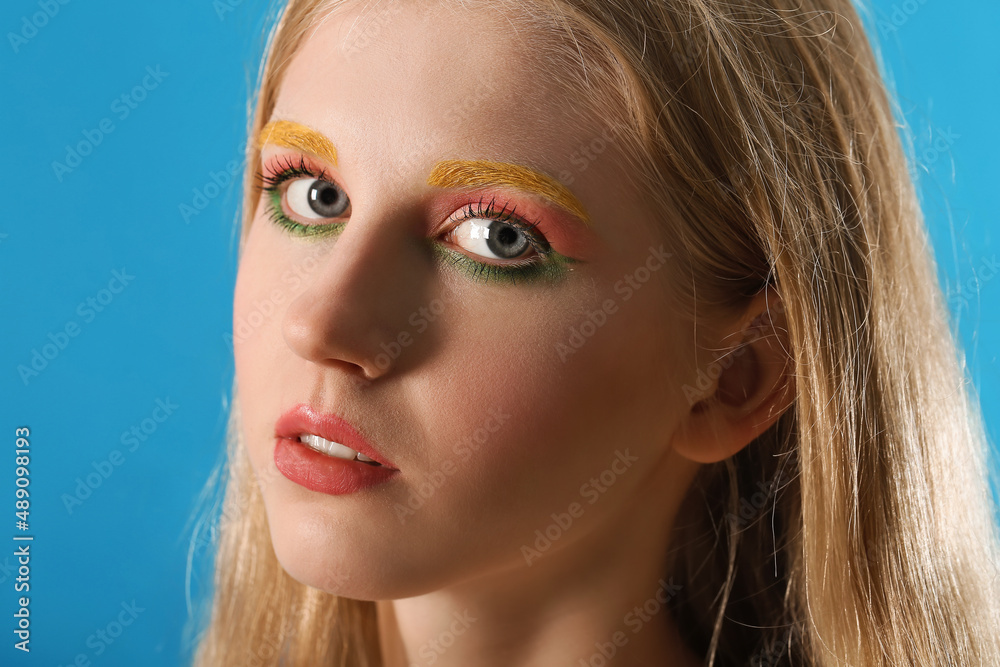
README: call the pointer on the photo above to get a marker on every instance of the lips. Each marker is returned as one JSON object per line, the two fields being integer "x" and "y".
{"x": 324, "y": 453}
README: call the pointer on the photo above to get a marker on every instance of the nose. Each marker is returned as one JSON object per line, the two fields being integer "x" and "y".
{"x": 355, "y": 305}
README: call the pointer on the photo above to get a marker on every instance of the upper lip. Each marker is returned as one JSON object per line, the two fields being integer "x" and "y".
{"x": 303, "y": 419}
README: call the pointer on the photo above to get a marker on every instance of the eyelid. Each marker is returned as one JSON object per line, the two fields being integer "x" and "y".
{"x": 487, "y": 173}
{"x": 498, "y": 211}
{"x": 481, "y": 211}
{"x": 274, "y": 166}
{"x": 563, "y": 232}
{"x": 276, "y": 174}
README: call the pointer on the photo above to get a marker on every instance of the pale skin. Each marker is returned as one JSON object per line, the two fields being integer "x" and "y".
{"x": 469, "y": 550}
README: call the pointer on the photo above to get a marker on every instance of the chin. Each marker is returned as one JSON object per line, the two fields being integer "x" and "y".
{"x": 338, "y": 555}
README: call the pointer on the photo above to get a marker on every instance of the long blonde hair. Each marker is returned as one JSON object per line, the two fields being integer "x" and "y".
{"x": 859, "y": 530}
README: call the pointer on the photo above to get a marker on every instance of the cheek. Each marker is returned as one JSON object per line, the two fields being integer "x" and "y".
{"x": 266, "y": 283}
{"x": 521, "y": 425}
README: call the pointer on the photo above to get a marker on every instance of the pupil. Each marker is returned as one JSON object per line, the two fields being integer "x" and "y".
{"x": 326, "y": 199}
{"x": 505, "y": 241}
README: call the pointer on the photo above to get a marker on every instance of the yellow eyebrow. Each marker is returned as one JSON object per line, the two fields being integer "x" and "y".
{"x": 295, "y": 135}
{"x": 475, "y": 173}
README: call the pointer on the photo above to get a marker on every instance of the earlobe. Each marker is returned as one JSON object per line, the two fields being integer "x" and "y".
{"x": 754, "y": 386}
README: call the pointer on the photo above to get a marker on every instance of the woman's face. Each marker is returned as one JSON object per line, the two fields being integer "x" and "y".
{"x": 511, "y": 405}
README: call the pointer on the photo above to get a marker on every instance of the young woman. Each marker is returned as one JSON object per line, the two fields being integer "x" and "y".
{"x": 584, "y": 332}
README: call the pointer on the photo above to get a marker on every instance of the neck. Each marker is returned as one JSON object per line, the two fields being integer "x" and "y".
{"x": 600, "y": 600}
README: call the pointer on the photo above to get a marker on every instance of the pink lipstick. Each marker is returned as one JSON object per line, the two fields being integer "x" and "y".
{"x": 324, "y": 453}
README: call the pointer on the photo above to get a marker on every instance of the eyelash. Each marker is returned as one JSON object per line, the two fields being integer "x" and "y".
{"x": 546, "y": 263}
{"x": 283, "y": 170}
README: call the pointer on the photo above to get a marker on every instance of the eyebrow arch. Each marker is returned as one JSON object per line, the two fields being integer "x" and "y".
{"x": 475, "y": 173}
{"x": 290, "y": 134}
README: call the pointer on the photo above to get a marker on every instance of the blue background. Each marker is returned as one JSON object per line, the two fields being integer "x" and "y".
{"x": 162, "y": 337}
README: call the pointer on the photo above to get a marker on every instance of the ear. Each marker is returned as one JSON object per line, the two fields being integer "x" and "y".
{"x": 748, "y": 387}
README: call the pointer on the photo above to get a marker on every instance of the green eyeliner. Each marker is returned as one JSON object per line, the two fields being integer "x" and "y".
{"x": 553, "y": 268}
{"x": 549, "y": 267}
{"x": 326, "y": 230}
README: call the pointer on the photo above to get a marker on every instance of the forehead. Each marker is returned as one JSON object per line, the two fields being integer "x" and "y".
{"x": 424, "y": 81}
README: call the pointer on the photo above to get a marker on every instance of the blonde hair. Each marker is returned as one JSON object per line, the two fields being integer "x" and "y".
{"x": 858, "y": 530}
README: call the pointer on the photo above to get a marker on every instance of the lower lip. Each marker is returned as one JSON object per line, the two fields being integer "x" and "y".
{"x": 326, "y": 474}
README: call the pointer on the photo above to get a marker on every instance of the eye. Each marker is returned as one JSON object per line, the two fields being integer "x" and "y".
{"x": 315, "y": 199}
{"x": 496, "y": 233}
{"x": 493, "y": 239}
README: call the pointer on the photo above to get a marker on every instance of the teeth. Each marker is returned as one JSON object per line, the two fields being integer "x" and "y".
{"x": 334, "y": 449}
{"x": 327, "y": 447}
